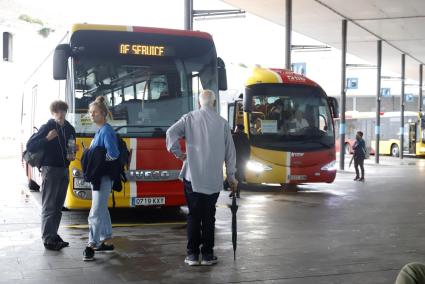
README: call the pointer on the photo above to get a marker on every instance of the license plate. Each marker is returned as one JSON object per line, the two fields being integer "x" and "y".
{"x": 147, "y": 201}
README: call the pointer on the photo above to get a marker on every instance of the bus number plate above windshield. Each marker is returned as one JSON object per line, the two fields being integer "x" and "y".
{"x": 144, "y": 50}
{"x": 147, "y": 201}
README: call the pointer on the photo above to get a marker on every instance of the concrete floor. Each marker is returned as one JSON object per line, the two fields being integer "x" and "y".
{"x": 345, "y": 232}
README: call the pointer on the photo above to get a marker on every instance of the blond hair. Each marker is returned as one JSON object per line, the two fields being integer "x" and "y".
{"x": 100, "y": 103}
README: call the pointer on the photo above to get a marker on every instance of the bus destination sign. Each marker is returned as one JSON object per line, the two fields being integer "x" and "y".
{"x": 144, "y": 49}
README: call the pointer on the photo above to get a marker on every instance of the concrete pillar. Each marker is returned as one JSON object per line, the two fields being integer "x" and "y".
{"x": 188, "y": 15}
{"x": 421, "y": 69}
{"x": 402, "y": 99}
{"x": 343, "y": 95}
{"x": 288, "y": 40}
{"x": 378, "y": 99}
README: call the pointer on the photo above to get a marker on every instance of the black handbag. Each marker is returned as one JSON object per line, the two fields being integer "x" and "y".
{"x": 34, "y": 158}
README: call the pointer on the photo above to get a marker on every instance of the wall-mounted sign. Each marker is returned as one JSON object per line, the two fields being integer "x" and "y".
{"x": 385, "y": 92}
{"x": 409, "y": 98}
{"x": 352, "y": 83}
{"x": 299, "y": 68}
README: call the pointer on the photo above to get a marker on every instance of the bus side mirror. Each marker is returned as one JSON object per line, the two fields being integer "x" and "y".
{"x": 247, "y": 100}
{"x": 333, "y": 104}
{"x": 222, "y": 76}
{"x": 60, "y": 61}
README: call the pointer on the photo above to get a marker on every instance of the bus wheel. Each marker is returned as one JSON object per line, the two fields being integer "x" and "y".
{"x": 289, "y": 187}
{"x": 347, "y": 149}
{"x": 394, "y": 150}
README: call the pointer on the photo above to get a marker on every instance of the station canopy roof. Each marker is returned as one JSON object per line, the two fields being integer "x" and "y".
{"x": 400, "y": 25}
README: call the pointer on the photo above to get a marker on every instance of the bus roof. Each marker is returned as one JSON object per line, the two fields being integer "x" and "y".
{"x": 94, "y": 27}
{"x": 272, "y": 75}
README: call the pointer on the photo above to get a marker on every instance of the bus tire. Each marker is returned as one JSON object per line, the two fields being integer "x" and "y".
{"x": 290, "y": 187}
{"x": 395, "y": 152}
{"x": 347, "y": 148}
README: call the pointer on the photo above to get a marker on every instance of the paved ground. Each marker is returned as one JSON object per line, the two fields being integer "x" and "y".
{"x": 345, "y": 232}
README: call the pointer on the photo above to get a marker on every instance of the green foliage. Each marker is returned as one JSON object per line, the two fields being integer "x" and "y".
{"x": 45, "y": 31}
{"x": 30, "y": 20}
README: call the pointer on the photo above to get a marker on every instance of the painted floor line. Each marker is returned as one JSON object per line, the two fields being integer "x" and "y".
{"x": 85, "y": 226}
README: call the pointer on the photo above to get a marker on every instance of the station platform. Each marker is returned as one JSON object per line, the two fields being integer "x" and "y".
{"x": 344, "y": 232}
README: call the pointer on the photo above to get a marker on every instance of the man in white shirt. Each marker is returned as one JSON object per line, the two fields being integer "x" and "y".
{"x": 209, "y": 143}
{"x": 298, "y": 122}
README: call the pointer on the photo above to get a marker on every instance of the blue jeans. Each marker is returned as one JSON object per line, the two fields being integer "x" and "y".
{"x": 200, "y": 220}
{"x": 100, "y": 226}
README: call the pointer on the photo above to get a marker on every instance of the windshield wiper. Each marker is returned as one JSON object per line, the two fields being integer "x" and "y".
{"x": 316, "y": 141}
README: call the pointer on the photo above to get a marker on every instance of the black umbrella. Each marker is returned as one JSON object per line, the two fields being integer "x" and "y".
{"x": 351, "y": 161}
{"x": 234, "y": 209}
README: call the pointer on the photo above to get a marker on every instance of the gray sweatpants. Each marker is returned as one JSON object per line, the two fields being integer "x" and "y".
{"x": 53, "y": 193}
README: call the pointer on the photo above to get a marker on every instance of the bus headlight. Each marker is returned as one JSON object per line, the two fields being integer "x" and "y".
{"x": 257, "y": 167}
{"x": 77, "y": 172}
{"x": 329, "y": 167}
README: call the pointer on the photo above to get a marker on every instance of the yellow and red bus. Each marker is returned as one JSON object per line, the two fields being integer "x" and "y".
{"x": 150, "y": 77}
{"x": 283, "y": 151}
{"x": 389, "y": 142}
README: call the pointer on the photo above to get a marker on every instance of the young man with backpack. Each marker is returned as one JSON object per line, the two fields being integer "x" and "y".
{"x": 54, "y": 136}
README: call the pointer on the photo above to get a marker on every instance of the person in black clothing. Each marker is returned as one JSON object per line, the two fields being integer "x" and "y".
{"x": 243, "y": 151}
{"x": 54, "y": 137}
{"x": 359, "y": 148}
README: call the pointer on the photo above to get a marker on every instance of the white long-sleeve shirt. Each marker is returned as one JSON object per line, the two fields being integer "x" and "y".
{"x": 209, "y": 144}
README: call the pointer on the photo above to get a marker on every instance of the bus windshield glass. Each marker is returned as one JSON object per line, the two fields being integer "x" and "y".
{"x": 148, "y": 87}
{"x": 290, "y": 118}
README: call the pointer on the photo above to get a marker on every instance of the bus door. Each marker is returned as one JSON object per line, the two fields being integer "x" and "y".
{"x": 235, "y": 114}
{"x": 412, "y": 138}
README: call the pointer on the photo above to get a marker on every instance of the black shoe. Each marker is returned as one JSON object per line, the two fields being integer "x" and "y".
{"x": 231, "y": 194}
{"x": 105, "y": 247}
{"x": 64, "y": 244}
{"x": 356, "y": 178}
{"x": 209, "y": 259}
{"x": 192, "y": 259}
{"x": 53, "y": 245}
{"x": 361, "y": 179}
{"x": 88, "y": 254}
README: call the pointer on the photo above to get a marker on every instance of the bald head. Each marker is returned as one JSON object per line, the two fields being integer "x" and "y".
{"x": 207, "y": 98}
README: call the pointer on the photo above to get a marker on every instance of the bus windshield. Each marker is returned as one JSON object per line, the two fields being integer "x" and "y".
{"x": 145, "y": 94}
{"x": 290, "y": 118}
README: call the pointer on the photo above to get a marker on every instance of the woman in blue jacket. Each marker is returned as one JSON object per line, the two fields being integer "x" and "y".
{"x": 100, "y": 226}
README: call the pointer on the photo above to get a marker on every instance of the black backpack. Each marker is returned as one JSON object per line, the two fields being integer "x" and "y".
{"x": 124, "y": 162}
{"x": 124, "y": 157}
{"x": 34, "y": 158}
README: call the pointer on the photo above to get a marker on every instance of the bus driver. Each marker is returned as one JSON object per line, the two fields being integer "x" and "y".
{"x": 298, "y": 122}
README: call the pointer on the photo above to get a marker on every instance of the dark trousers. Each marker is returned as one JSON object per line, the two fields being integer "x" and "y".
{"x": 359, "y": 162}
{"x": 200, "y": 220}
{"x": 53, "y": 193}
